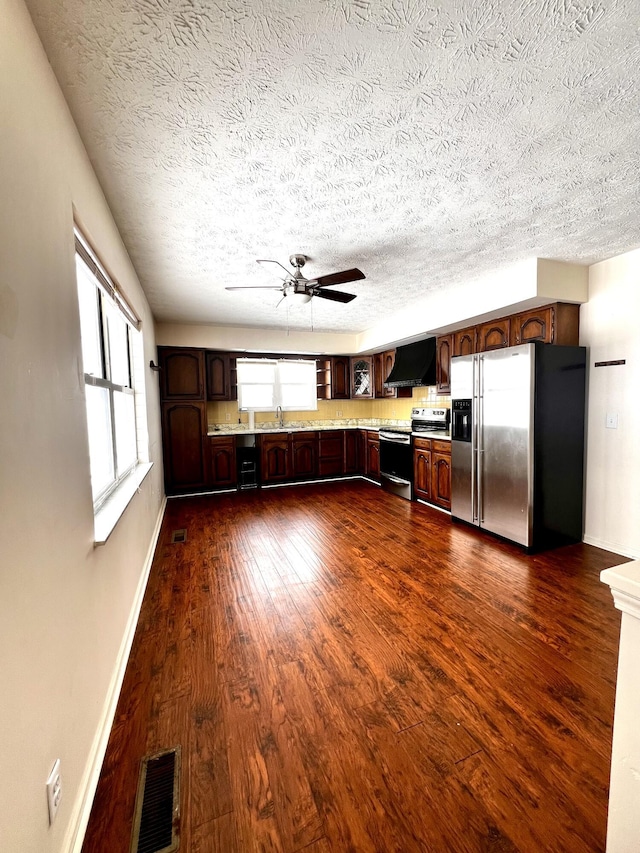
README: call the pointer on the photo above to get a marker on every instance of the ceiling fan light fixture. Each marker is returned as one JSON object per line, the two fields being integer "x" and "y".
{"x": 304, "y": 289}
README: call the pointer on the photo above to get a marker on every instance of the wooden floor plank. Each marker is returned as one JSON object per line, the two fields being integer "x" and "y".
{"x": 348, "y": 671}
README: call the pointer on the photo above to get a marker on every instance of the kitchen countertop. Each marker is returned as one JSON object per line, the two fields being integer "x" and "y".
{"x": 437, "y": 434}
{"x": 314, "y": 427}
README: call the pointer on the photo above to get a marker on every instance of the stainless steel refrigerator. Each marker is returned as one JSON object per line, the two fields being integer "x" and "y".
{"x": 517, "y": 448}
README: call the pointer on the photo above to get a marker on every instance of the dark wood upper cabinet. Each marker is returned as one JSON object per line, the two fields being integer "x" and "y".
{"x": 464, "y": 341}
{"x": 378, "y": 374}
{"x": 387, "y": 360}
{"x": 494, "y": 335}
{"x": 340, "y": 377}
{"x": 323, "y": 378}
{"x": 221, "y": 371}
{"x": 551, "y": 324}
{"x": 362, "y": 377}
{"x": 181, "y": 373}
{"x": 382, "y": 366}
{"x": 444, "y": 346}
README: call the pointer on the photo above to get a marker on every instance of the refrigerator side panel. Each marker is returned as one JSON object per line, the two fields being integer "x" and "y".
{"x": 505, "y": 443}
{"x": 559, "y": 445}
{"x": 462, "y": 480}
{"x": 463, "y": 452}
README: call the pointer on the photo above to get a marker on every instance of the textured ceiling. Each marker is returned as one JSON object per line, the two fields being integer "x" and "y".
{"x": 422, "y": 143}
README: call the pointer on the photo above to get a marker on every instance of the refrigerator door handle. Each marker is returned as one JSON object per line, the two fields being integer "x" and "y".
{"x": 474, "y": 441}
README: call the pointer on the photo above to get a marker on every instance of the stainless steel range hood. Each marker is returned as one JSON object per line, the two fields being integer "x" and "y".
{"x": 415, "y": 364}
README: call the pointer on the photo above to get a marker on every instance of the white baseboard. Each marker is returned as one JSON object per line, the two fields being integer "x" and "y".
{"x": 74, "y": 837}
{"x": 615, "y": 547}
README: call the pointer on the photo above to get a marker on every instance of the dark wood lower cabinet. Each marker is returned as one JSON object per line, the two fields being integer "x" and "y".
{"x": 194, "y": 463}
{"x": 222, "y": 462}
{"x": 331, "y": 453}
{"x": 288, "y": 456}
{"x": 441, "y": 476}
{"x": 422, "y": 469}
{"x": 372, "y": 469}
{"x": 307, "y": 455}
{"x": 353, "y": 451}
{"x": 183, "y": 429}
{"x": 304, "y": 455}
{"x": 274, "y": 458}
{"x": 432, "y": 471}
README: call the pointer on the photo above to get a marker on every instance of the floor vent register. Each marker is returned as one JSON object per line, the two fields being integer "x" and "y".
{"x": 157, "y": 814}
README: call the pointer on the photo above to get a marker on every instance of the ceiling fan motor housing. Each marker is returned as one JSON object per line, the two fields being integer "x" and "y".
{"x": 297, "y": 261}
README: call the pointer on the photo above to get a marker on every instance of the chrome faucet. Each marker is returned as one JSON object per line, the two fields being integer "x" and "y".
{"x": 280, "y": 416}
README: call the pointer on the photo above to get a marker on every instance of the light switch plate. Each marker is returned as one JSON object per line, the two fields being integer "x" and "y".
{"x": 612, "y": 421}
{"x": 54, "y": 790}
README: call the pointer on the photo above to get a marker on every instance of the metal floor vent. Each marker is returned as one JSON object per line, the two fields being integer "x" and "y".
{"x": 157, "y": 812}
{"x": 178, "y": 536}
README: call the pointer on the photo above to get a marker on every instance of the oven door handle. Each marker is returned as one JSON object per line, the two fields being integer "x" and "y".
{"x": 394, "y": 440}
{"x": 395, "y": 479}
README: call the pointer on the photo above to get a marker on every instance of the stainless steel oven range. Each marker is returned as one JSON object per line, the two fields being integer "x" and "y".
{"x": 396, "y": 460}
{"x": 396, "y": 448}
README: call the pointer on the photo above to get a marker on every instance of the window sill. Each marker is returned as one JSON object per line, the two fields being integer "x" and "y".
{"x": 110, "y": 513}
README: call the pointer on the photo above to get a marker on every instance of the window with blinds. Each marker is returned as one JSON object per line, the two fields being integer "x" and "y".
{"x": 114, "y": 383}
{"x": 264, "y": 384}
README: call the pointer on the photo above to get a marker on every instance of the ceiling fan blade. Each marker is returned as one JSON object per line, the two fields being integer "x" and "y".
{"x": 256, "y": 287}
{"x": 338, "y": 278}
{"x": 334, "y": 295}
{"x": 288, "y": 275}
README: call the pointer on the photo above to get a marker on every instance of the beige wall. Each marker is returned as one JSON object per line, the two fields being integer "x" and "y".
{"x": 64, "y": 606}
{"x": 609, "y": 326}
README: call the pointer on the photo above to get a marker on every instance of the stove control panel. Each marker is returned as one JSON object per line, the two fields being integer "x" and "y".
{"x": 430, "y": 419}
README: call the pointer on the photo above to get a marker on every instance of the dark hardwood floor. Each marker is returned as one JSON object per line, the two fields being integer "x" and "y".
{"x": 348, "y": 671}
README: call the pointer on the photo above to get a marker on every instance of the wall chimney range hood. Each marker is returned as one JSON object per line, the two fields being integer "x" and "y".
{"x": 415, "y": 364}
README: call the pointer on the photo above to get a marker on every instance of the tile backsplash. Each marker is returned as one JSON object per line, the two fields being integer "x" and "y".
{"x": 227, "y": 414}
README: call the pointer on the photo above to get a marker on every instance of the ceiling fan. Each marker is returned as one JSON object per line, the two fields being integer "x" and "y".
{"x": 295, "y": 284}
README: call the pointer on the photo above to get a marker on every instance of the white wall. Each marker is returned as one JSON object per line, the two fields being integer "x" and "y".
{"x": 609, "y": 326}
{"x": 260, "y": 340}
{"x": 64, "y": 606}
{"x": 521, "y": 286}
{"x": 517, "y": 287}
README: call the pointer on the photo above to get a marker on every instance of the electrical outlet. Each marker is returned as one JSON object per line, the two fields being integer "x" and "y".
{"x": 339, "y": 413}
{"x": 227, "y": 417}
{"x": 612, "y": 421}
{"x": 54, "y": 790}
